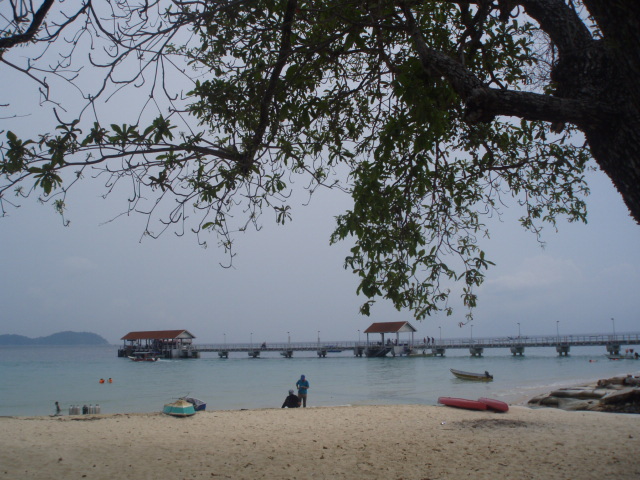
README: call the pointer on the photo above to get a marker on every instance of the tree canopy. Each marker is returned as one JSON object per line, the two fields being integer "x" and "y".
{"x": 431, "y": 114}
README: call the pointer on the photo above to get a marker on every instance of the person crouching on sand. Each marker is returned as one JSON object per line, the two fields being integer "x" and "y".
{"x": 292, "y": 401}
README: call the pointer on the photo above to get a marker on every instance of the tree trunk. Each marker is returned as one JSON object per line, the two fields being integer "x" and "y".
{"x": 615, "y": 145}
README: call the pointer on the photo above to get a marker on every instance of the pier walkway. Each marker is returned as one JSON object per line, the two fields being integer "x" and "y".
{"x": 614, "y": 344}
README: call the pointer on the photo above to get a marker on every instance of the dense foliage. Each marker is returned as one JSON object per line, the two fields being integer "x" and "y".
{"x": 431, "y": 114}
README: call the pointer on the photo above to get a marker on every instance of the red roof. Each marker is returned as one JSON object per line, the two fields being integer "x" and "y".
{"x": 390, "y": 327}
{"x": 156, "y": 335}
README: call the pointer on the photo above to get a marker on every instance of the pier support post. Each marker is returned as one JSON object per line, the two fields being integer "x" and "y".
{"x": 223, "y": 354}
{"x": 287, "y": 353}
{"x": 254, "y": 353}
{"x": 476, "y": 351}
{"x": 517, "y": 350}
{"x": 563, "y": 350}
{"x": 438, "y": 351}
{"x": 613, "y": 348}
{"x": 358, "y": 351}
{"x": 322, "y": 353}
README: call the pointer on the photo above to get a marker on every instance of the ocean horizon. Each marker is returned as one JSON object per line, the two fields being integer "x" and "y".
{"x": 35, "y": 377}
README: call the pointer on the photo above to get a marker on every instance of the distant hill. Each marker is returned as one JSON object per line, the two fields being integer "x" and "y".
{"x": 61, "y": 338}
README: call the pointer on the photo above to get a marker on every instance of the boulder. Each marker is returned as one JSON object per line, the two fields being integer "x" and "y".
{"x": 620, "y": 396}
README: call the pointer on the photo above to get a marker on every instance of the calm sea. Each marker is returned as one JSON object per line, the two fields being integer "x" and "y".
{"x": 33, "y": 378}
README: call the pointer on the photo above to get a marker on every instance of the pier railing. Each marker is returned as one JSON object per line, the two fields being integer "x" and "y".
{"x": 452, "y": 343}
{"x": 476, "y": 346}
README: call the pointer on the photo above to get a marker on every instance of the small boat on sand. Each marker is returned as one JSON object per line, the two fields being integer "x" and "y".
{"x": 198, "y": 405}
{"x": 462, "y": 403}
{"x": 495, "y": 405}
{"x": 179, "y": 408}
{"x": 481, "y": 377}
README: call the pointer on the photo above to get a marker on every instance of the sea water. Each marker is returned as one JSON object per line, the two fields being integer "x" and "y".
{"x": 33, "y": 378}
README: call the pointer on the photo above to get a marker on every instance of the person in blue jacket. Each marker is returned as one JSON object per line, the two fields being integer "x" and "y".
{"x": 303, "y": 386}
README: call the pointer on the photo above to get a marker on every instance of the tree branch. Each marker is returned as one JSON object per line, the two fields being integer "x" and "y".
{"x": 36, "y": 23}
{"x": 484, "y": 103}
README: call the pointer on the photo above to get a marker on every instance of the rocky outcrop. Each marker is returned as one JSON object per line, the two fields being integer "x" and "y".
{"x": 617, "y": 394}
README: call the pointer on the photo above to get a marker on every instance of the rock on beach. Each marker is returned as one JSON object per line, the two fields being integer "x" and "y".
{"x": 618, "y": 394}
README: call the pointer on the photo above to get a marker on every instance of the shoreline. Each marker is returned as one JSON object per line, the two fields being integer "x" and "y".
{"x": 387, "y": 441}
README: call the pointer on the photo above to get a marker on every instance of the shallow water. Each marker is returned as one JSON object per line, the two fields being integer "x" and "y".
{"x": 33, "y": 378}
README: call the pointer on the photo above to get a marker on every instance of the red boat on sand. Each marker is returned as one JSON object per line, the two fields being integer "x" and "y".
{"x": 462, "y": 403}
{"x": 496, "y": 405}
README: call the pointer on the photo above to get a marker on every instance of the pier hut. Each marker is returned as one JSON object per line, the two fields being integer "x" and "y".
{"x": 395, "y": 347}
{"x": 163, "y": 343}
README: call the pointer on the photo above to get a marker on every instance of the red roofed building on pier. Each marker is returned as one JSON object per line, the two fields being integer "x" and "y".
{"x": 396, "y": 347}
{"x": 164, "y": 343}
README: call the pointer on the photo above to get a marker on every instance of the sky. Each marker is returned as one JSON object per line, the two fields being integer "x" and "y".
{"x": 98, "y": 276}
{"x": 286, "y": 280}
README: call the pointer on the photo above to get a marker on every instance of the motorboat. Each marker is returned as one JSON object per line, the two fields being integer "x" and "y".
{"x": 143, "y": 357}
{"x": 377, "y": 351}
{"x": 480, "y": 377}
{"x": 626, "y": 356}
{"x": 332, "y": 348}
{"x": 198, "y": 405}
{"x": 179, "y": 408}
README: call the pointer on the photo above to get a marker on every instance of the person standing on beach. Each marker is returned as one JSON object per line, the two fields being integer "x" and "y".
{"x": 303, "y": 386}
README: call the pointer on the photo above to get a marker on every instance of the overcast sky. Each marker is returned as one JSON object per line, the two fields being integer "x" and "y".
{"x": 98, "y": 277}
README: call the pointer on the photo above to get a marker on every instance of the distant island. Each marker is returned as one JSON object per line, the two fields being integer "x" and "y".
{"x": 61, "y": 338}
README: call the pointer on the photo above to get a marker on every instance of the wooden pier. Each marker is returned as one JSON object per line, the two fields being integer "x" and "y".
{"x": 614, "y": 345}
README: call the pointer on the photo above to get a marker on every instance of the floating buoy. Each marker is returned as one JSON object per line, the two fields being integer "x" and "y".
{"x": 110, "y": 381}
{"x": 102, "y": 380}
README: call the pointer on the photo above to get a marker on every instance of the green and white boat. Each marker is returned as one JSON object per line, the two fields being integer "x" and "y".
{"x": 180, "y": 408}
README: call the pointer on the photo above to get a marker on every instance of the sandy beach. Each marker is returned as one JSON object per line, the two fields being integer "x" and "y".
{"x": 385, "y": 442}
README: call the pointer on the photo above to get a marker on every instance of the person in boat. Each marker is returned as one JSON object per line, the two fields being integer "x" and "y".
{"x": 302, "y": 385}
{"x": 292, "y": 401}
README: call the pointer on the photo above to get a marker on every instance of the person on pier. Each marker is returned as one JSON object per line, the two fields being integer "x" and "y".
{"x": 292, "y": 401}
{"x": 302, "y": 385}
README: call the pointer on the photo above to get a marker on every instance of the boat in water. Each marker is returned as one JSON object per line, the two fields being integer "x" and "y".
{"x": 626, "y": 356}
{"x": 333, "y": 349}
{"x": 479, "y": 377}
{"x": 143, "y": 357}
{"x": 179, "y": 408}
{"x": 198, "y": 405}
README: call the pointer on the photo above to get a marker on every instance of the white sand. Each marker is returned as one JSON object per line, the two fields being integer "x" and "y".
{"x": 379, "y": 442}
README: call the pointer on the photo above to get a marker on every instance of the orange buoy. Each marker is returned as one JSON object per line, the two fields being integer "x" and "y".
{"x": 102, "y": 380}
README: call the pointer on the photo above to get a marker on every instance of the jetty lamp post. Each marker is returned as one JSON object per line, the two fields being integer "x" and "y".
{"x": 318, "y": 338}
{"x": 440, "y": 328}
{"x": 614, "y": 327}
{"x": 358, "y": 337}
{"x": 225, "y": 339}
{"x": 471, "y": 333}
{"x": 558, "y": 330}
{"x": 289, "y": 338}
{"x": 251, "y": 339}
{"x": 518, "y": 329}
